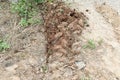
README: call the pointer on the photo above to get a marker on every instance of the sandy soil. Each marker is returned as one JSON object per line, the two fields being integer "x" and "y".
{"x": 104, "y": 20}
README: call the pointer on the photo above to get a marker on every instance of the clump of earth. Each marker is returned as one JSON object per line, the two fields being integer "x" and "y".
{"x": 62, "y": 25}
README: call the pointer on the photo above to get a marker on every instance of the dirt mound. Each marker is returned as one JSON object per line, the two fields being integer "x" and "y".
{"x": 61, "y": 25}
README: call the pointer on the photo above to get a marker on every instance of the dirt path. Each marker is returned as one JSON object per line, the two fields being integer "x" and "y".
{"x": 112, "y": 17}
{"x": 104, "y": 20}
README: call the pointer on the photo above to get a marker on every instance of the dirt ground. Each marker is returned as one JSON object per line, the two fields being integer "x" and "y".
{"x": 81, "y": 43}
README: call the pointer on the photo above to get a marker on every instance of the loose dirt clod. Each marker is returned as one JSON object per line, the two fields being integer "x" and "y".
{"x": 61, "y": 24}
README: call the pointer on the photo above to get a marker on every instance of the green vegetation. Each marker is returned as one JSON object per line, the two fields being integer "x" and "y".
{"x": 3, "y": 46}
{"x": 90, "y": 44}
{"x": 86, "y": 78}
{"x": 28, "y": 11}
{"x": 44, "y": 68}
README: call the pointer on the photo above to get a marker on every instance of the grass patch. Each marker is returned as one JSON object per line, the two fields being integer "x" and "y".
{"x": 28, "y": 11}
{"x": 86, "y": 78}
{"x": 3, "y": 46}
{"x": 44, "y": 68}
{"x": 90, "y": 44}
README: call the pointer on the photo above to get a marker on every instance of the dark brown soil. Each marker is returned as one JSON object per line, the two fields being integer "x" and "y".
{"x": 61, "y": 24}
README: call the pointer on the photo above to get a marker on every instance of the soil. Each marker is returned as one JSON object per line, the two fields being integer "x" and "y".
{"x": 61, "y": 24}
{"x": 54, "y": 50}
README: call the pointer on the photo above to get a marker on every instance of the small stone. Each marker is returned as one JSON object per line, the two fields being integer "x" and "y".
{"x": 9, "y": 63}
{"x": 80, "y": 65}
{"x": 12, "y": 68}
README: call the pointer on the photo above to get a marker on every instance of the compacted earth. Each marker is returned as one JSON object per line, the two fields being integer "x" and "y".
{"x": 78, "y": 40}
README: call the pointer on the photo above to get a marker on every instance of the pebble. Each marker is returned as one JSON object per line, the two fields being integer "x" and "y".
{"x": 12, "y": 68}
{"x": 80, "y": 65}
